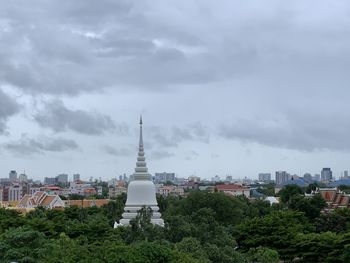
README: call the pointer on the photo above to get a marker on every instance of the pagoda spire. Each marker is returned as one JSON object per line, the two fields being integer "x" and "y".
{"x": 141, "y": 171}
{"x": 141, "y": 136}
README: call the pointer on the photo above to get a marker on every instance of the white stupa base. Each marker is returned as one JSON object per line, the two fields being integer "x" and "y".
{"x": 155, "y": 219}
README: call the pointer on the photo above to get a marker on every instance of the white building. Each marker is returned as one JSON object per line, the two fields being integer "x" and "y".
{"x": 166, "y": 190}
{"x": 14, "y": 192}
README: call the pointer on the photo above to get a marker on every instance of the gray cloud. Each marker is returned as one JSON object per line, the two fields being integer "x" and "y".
{"x": 28, "y": 146}
{"x": 158, "y": 155}
{"x": 8, "y": 107}
{"x": 303, "y": 131}
{"x": 82, "y": 46}
{"x": 176, "y": 135}
{"x": 58, "y": 117}
{"x": 61, "y": 48}
{"x": 118, "y": 151}
{"x": 199, "y": 62}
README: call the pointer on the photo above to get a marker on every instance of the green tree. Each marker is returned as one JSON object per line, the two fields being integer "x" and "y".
{"x": 315, "y": 247}
{"x": 141, "y": 228}
{"x": 228, "y": 210}
{"x": 311, "y": 206}
{"x": 276, "y": 231}
{"x": 193, "y": 246}
{"x": 289, "y": 191}
{"x": 21, "y": 245}
{"x": 10, "y": 218}
{"x": 263, "y": 255}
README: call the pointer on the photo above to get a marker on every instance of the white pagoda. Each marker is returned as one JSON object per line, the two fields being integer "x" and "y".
{"x": 141, "y": 191}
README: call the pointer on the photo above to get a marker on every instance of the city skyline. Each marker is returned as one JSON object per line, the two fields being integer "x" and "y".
{"x": 224, "y": 88}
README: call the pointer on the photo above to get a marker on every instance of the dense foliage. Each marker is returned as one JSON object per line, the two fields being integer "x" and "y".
{"x": 203, "y": 227}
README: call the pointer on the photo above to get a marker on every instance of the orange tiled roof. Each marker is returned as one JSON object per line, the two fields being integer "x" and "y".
{"x": 47, "y": 200}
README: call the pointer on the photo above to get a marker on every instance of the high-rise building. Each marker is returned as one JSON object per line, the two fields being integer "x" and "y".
{"x": 308, "y": 178}
{"x": 195, "y": 179}
{"x": 164, "y": 177}
{"x": 346, "y": 174}
{"x": 141, "y": 191}
{"x": 282, "y": 177}
{"x": 214, "y": 179}
{"x": 326, "y": 174}
{"x": 50, "y": 180}
{"x": 13, "y": 176}
{"x": 264, "y": 177}
{"x": 76, "y": 177}
{"x": 62, "y": 178}
{"x": 23, "y": 177}
{"x": 317, "y": 177}
{"x": 229, "y": 178}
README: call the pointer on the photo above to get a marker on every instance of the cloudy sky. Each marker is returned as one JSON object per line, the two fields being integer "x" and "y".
{"x": 225, "y": 87}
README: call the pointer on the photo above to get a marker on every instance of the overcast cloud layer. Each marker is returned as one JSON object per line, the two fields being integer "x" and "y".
{"x": 225, "y": 87}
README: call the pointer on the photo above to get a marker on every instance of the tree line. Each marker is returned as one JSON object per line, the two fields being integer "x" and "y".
{"x": 203, "y": 227}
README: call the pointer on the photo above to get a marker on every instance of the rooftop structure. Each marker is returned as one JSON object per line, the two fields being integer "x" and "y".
{"x": 141, "y": 190}
{"x": 41, "y": 199}
{"x": 233, "y": 189}
{"x": 333, "y": 197}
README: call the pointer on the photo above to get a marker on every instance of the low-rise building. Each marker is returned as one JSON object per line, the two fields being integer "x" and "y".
{"x": 81, "y": 188}
{"x": 234, "y": 189}
{"x": 334, "y": 197}
{"x": 116, "y": 191}
{"x": 42, "y": 199}
{"x": 166, "y": 190}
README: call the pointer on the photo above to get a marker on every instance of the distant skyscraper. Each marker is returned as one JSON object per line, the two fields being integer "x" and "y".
{"x": 216, "y": 178}
{"x": 62, "y": 178}
{"x": 50, "y": 180}
{"x": 228, "y": 178}
{"x": 346, "y": 174}
{"x": 317, "y": 177}
{"x": 326, "y": 174}
{"x": 76, "y": 177}
{"x": 23, "y": 177}
{"x": 308, "y": 178}
{"x": 264, "y": 177}
{"x": 13, "y": 176}
{"x": 282, "y": 177}
{"x": 164, "y": 177}
{"x": 195, "y": 179}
